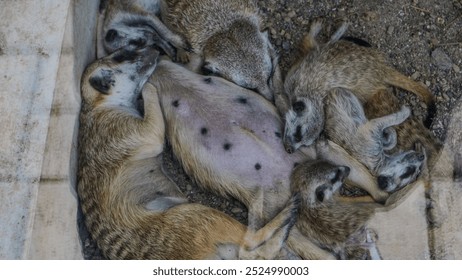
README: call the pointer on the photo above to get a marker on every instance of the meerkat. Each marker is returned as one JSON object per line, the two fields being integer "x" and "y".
{"x": 408, "y": 132}
{"x": 130, "y": 207}
{"x": 368, "y": 140}
{"x": 227, "y": 36}
{"x": 135, "y": 22}
{"x": 334, "y": 225}
{"x": 338, "y": 63}
{"x": 229, "y": 140}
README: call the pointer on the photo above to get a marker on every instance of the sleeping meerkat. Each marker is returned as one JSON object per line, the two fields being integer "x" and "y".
{"x": 135, "y": 22}
{"x": 368, "y": 140}
{"x": 130, "y": 207}
{"x": 338, "y": 63}
{"x": 226, "y": 35}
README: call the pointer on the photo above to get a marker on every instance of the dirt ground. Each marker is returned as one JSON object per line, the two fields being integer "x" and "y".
{"x": 422, "y": 39}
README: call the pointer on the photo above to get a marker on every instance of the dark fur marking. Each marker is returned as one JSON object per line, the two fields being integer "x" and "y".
{"x": 151, "y": 171}
{"x": 298, "y": 134}
{"x": 336, "y": 176}
{"x": 408, "y": 172}
{"x": 296, "y": 164}
{"x": 102, "y": 84}
{"x": 278, "y": 134}
{"x": 176, "y": 103}
{"x": 204, "y": 131}
{"x": 138, "y": 23}
{"x": 139, "y": 43}
{"x": 208, "y": 80}
{"x": 320, "y": 193}
{"x": 357, "y": 41}
{"x": 257, "y": 166}
{"x": 111, "y": 35}
{"x": 227, "y": 146}
{"x": 382, "y": 182}
{"x": 125, "y": 56}
{"x": 132, "y": 78}
{"x": 431, "y": 112}
{"x": 298, "y": 106}
{"x": 242, "y": 100}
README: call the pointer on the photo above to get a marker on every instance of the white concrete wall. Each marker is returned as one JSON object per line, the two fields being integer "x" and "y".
{"x": 41, "y": 59}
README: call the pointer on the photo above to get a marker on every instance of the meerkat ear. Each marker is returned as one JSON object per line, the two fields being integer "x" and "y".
{"x": 102, "y": 81}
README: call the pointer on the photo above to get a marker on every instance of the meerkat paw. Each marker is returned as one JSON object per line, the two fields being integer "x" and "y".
{"x": 182, "y": 56}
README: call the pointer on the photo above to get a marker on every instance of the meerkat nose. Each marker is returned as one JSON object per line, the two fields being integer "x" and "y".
{"x": 421, "y": 157}
{"x": 346, "y": 170}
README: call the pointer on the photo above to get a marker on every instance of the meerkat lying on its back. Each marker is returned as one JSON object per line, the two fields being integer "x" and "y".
{"x": 339, "y": 63}
{"x": 367, "y": 140}
{"x": 226, "y": 35}
{"x": 131, "y": 208}
{"x": 135, "y": 22}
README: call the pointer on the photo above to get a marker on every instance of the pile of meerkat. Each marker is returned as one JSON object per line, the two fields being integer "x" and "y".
{"x": 281, "y": 147}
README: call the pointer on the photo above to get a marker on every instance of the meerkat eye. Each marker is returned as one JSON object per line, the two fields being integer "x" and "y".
{"x": 111, "y": 35}
{"x": 408, "y": 172}
{"x": 336, "y": 176}
{"x": 298, "y": 106}
{"x": 320, "y": 193}
{"x": 139, "y": 43}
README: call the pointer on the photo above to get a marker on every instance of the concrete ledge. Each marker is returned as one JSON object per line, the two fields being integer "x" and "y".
{"x": 29, "y": 58}
{"x": 402, "y": 231}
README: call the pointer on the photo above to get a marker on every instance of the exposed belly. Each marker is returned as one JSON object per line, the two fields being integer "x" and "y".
{"x": 230, "y": 136}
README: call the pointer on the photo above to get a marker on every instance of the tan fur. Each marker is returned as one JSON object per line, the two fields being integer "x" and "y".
{"x": 137, "y": 22}
{"x": 409, "y": 132}
{"x": 203, "y": 113}
{"x": 226, "y": 35}
{"x": 338, "y": 63}
{"x": 333, "y": 222}
{"x": 131, "y": 208}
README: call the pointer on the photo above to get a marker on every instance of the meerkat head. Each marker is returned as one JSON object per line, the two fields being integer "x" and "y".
{"x": 242, "y": 55}
{"x": 304, "y": 122}
{"x": 400, "y": 169}
{"x": 119, "y": 77}
{"x": 318, "y": 181}
{"x": 135, "y": 30}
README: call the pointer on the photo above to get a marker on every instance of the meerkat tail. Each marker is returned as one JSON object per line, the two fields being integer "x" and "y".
{"x": 399, "y": 80}
{"x": 309, "y": 42}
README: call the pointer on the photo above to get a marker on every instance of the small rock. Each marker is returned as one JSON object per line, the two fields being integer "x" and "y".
{"x": 456, "y": 68}
{"x": 286, "y": 45}
{"x": 440, "y": 21}
{"x": 390, "y": 30}
{"x": 236, "y": 210}
{"x": 427, "y": 83}
{"x": 291, "y": 14}
{"x": 441, "y": 59}
{"x": 188, "y": 188}
{"x": 416, "y": 75}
